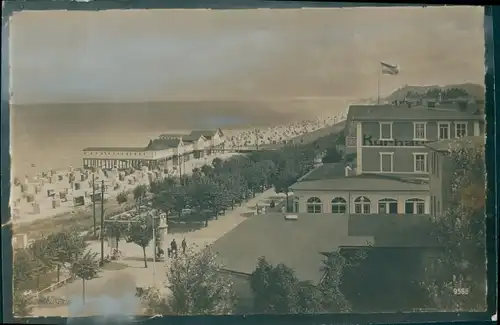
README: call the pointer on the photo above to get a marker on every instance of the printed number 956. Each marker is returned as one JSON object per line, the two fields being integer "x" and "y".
{"x": 460, "y": 291}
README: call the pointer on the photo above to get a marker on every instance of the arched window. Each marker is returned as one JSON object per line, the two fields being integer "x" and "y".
{"x": 339, "y": 205}
{"x": 388, "y": 206}
{"x": 362, "y": 205}
{"x": 415, "y": 206}
{"x": 313, "y": 205}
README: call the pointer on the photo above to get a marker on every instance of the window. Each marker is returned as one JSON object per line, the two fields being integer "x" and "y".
{"x": 339, "y": 205}
{"x": 460, "y": 129}
{"x": 313, "y": 205}
{"x": 415, "y": 206}
{"x": 420, "y": 162}
{"x": 387, "y": 206}
{"x": 385, "y": 130}
{"x": 419, "y": 131}
{"x": 362, "y": 205}
{"x": 444, "y": 131}
{"x": 386, "y": 161}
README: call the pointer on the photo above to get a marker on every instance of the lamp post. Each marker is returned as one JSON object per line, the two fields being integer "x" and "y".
{"x": 158, "y": 238}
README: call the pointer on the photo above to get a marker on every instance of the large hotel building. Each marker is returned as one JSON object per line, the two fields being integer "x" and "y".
{"x": 390, "y": 174}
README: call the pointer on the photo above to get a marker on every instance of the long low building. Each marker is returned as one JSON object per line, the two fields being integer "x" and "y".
{"x": 167, "y": 150}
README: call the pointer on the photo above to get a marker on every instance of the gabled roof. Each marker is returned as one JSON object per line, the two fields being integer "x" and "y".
{"x": 468, "y": 142}
{"x": 208, "y": 134}
{"x": 192, "y": 138}
{"x": 363, "y": 182}
{"x": 161, "y": 144}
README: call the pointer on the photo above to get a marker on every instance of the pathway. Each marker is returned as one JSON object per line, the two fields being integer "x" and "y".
{"x": 130, "y": 271}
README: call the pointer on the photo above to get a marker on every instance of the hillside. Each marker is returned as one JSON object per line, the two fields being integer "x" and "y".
{"x": 474, "y": 90}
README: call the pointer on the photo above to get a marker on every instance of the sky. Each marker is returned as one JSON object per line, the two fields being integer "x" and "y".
{"x": 258, "y": 54}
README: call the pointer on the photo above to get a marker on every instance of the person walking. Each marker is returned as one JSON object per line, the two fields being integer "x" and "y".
{"x": 184, "y": 246}
{"x": 173, "y": 247}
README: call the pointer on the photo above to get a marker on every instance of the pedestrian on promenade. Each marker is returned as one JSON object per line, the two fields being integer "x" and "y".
{"x": 173, "y": 247}
{"x": 184, "y": 245}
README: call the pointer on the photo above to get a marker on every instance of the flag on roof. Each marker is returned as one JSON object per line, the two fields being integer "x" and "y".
{"x": 389, "y": 69}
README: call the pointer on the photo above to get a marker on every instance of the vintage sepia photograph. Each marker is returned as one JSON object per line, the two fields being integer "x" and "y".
{"x": 253, "y": 161}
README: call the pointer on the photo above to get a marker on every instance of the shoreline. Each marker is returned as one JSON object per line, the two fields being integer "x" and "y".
{"x": 34, "y": 172}
{"x": 30, "y": 199}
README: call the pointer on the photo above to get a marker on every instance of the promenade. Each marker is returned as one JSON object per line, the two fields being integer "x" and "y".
{"x": 120, "y": 277}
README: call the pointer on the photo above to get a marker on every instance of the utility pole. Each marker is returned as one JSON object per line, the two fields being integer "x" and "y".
{"x": 179, "y": 164}
{"x": 102, "y": 223}
{"x": 256, "y": 140}
{"x": 93, "y": 200}
{"x": 154, "y": 250}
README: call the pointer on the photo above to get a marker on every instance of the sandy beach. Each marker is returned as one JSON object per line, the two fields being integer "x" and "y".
{"x": 44, "y": 194}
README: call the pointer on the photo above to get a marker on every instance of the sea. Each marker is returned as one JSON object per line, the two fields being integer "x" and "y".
{"x": 51, "y": 136}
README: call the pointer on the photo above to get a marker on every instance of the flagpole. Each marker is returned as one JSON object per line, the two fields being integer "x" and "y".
{"x": 378, "y": 84}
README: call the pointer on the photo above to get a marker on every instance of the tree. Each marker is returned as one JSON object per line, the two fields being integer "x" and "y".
{"x": 140, "y": 232}
{"x": 217, "y": 164}
{"x": 433, "y": 93}
{"x": 42, "y": 258}
{"x": 207, "y": 170}
{"x": 122, "y": 198}
{"x": 283, "y": 180}
{"x": 332, "y": 156}
{"x": 86, "y": 268}
{"x": 24, "y": 268}
{"x": 140, "y": 192}
{"x": 276, "y": 290}
{"x": 455, "y": 280}
{"x": 154, "y": 300}
{"x": 333, "y": 299}
{"x": 196, "y": 286}
{"x": 116, "y": 230}
{"x": 65, "y": 248}
{"x": 22, "y": 303}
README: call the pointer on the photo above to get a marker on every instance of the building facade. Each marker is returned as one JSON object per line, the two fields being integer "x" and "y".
{"x": 166, "y": 151}
{"x": 392, "y": 139}
{"x": 442, "y": 169}
{"x": 391, "y": 173}
{"x": 361, "y": 195}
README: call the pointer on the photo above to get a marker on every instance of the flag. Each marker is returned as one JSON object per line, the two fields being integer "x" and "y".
{"x": 389, "y": 69}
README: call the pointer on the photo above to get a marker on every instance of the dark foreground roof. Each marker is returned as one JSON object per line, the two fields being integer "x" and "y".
{"x": 363, "y": 182}
{"x": 394, "y": 230}
{"x": 301, "y": 244}
{"x": 298, "y": 244}
{"x": 461, "y": 143}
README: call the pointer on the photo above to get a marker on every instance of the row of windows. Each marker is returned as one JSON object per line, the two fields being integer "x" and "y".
{"x": 114, "y": 153}
{"x": 420, "y": 130}
{"x": 362, "y": 205}
{"x": 419, "y": 162}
